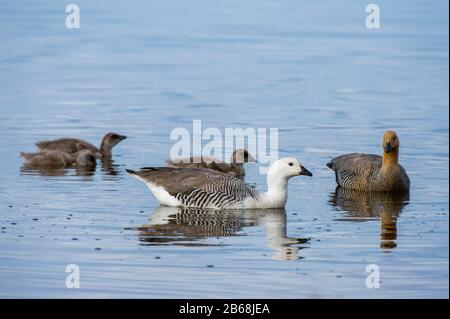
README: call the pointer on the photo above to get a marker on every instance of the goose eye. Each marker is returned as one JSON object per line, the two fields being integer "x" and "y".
{"x": 291, "y": 164}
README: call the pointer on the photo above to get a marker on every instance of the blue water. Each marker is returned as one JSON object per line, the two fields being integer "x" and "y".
{"x": 314, "y": 71}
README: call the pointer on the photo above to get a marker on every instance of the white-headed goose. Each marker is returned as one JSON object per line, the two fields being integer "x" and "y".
{"x": 206, "y": 188}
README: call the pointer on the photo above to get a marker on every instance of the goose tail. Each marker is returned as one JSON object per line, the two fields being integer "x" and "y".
{"x": 42, "y": 144}
{"x": 135, "y": 175}
{"x": 26, "y": 156}
{"x": 131, "y": 172}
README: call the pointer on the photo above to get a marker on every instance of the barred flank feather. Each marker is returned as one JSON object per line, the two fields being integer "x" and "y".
{"x": 363, "y": 172}
{"x": 198, "y": 187}
{"x": 220, "y": 192}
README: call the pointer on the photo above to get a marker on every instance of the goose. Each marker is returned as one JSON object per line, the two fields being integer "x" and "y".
{"x": 84, "y": 159}
{"x": 369, "y": 172}
{"x": 205, "y": 188}
{"x": 234, "y": 168}
{"x": 73, "y": 145}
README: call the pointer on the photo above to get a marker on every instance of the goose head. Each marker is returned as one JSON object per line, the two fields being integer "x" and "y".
{"x": 241, "y": 156}
{"x": 85, "y": 159}
{"x": 390, "y": 141}
{"x": 109, "y": 141}
{"x": 112, "y": 139}
{"x": 288, "y": 167}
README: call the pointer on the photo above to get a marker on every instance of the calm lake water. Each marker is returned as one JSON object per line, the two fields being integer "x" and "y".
{"x": 315, "y": 72}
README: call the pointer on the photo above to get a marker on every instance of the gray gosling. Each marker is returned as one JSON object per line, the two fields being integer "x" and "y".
{"x": 73, "y": 145}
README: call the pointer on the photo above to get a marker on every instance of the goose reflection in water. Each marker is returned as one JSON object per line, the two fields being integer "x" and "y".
{"x": 362, "y": 206}
{"x": 177, "y": 226}
{"x": 107, "y": 167}
{"x": 25, "y": 170}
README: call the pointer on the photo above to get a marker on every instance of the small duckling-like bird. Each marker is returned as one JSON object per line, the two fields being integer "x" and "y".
{"x": 369, "y": 172}
{"x": 73, "y": 145}
{"x": 53, "y": 159}
{"x": 206, "y": 188}
{"x": 234, "y": 168}
{"x": 85, "y": 159}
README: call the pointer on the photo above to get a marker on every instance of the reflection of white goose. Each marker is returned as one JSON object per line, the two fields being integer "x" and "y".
{"x": 286, "y": 248}
{"x": 177, "y": 225}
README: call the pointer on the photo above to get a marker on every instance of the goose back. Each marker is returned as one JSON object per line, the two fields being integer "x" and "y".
{"x": 48, "y": 159}
{"x": 197, "y": 187}
{"x": 234, "y": 169}
{"x": 68, "y": 145}
{"x": 364, "y": 172}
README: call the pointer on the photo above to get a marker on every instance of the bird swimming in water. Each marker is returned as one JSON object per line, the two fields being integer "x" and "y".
{"x": 53, "y": 159}
{"x": 234, "y": 168}
{"x": 369, "y": 172}
{"x": 206, "y": 188}
{"x": 74, "y": 145}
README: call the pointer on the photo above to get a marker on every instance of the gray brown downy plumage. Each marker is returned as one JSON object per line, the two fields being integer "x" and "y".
{"x": 369, "y": 172}
{"x": 85, "y": 160}
{"x": 54, "y": 159}
{"x": 234, "y": 168}
{"x": 73, "y": 145}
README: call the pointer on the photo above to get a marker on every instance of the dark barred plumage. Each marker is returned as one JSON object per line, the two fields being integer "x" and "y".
{"x": 199, "y": 187}
{"x": 363, "y": 172}
{"x": 221, "y": 191}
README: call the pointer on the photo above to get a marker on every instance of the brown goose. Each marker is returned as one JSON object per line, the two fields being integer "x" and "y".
{"x": 52, "y": 159}
{"x": 234, "y": 168}
{"x": 368, "y": 172}
{"x": 73, "y": 145}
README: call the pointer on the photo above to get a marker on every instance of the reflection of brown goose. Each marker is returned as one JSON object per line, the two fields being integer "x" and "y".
{"x": 108, "y": 166}
{"x": 171, "y": 225}
{"x": 361, "y": 206}
{"x": 234, "y": 168}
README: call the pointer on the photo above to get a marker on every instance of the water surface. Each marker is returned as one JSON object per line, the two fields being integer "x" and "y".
{"x": 314, "y": 71}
